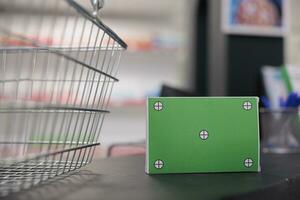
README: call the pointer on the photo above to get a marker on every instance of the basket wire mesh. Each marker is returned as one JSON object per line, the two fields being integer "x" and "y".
{"x": 58, "y": 65}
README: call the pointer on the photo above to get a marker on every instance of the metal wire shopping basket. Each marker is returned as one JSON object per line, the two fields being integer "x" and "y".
{"x": 58, "y": 64}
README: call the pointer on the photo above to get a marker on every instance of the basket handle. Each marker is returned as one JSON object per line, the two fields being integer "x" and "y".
{"x": 97, "y": 6}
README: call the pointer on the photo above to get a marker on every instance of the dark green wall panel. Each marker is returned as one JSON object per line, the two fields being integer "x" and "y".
{"x": 246, "y": 56}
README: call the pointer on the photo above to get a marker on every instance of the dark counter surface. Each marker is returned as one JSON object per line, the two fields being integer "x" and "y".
{"x": 124, "y": 178}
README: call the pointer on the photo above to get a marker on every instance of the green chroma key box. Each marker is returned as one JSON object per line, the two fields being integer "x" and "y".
{"x": 201, "y": 135}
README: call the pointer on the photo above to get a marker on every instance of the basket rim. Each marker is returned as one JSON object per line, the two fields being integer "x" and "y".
{"x": 48, "y": 108}
{"x": 59, "y": 53}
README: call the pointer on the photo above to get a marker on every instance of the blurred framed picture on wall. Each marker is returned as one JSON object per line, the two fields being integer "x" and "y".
{"x": 254, "y": 17}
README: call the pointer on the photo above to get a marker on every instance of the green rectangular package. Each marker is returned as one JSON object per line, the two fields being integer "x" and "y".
{"x": 202, "y": 135}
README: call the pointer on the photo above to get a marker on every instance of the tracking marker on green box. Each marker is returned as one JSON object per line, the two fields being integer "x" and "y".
{"x": 202, "y": 135}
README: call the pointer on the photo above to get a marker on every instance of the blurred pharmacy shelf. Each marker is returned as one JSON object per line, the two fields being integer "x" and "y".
{"x": 159, "y": 36}
{"x": 124, "y": 124}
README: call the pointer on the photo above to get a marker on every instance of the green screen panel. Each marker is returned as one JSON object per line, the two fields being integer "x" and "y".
{"x": 201, "y": 135}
